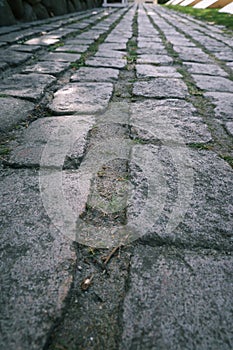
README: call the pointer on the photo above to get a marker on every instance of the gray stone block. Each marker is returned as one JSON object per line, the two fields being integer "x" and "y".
{"x": 47, "y": 67}
{"x": 95, "y": 74}
{"x": 32, "y": 143}
{"x": 37, "y": 261}
{"x": 150, "y": 71}
{"x": 169, "y": 121}
{"x": 186, "y": 198}
{"x": 229, "y": 127}
{"x": 223, "y": 102}
{"x": 161, "y": 87}
{"x": 217, "y": 84}
{"x": 178, "y": 300}
{"x": 81, "y": 98}
{"x": 31, "y": 86}
{"x": 14, "y": 58}
{"x": 61, "y": 57}
{"x": 13, "y": 111}
{"x": 106, "y": 62}
{"x": 154, "y": 59}
{"x": 206, "y": 69}
{"x": 72, "y": 48}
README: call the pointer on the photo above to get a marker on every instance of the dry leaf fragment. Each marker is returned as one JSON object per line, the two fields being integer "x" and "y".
{"x": 86, "y": 282}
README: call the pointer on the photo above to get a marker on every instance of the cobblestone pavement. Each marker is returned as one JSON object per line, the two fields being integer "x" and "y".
{"x": 123, "y": 118}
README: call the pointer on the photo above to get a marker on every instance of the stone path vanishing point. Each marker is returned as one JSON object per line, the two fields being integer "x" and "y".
{"x": 126, "y": 115}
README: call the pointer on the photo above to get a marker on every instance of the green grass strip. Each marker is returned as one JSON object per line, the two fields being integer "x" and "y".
{"x": 212, "y": 16}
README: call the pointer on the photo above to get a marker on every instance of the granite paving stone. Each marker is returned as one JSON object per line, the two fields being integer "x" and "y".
{"x": 47, "y": 67}
{"x": 206, "y": 69}
{"x": 229, "y": 127}
{"x": 31, "y": 86}
{"x": 223, "y": 102}
{"x": 150, "y": 71}
{"x": 42, "y": 41}
{"x": 106, "y": 62}
{"x": 25, "y": 48}
{"x": 161, "y": 87}
{"x": 185, "y": 297}
{"x": 31, "y": 144}
{"x": 169, "y": 121}
{"x": 110, "y": 54}
{"x": 151, "y": 51}
{"x": 61, "y": 57}
{"x": 13, "y": 111}
{"x": 154, "y": 59}
{"x": 14, "y": 58}
{"x": 95, "y": 74}
{"x": 213, "y": 83}
{"x": 189, "y": 192}
{"x": 112, "y": 46}
{"x": 192, "y": 54}
{"x": 81, "y": 98}
{"x": 39, "y": 260}
{"x": 72, "y": 48}
{"x": 226, "y": 55}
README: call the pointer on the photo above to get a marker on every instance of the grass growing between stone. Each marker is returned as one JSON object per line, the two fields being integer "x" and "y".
{"x": 212, "y": 16}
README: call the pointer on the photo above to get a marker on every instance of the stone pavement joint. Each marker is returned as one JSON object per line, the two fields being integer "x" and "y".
{"x": 116, "y": 132}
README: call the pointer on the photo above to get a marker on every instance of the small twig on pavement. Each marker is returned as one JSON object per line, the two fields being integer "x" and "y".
{"x": 110, "y": 255}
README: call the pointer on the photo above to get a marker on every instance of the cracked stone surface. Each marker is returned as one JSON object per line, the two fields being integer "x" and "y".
{"x": 81, "y": 98}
